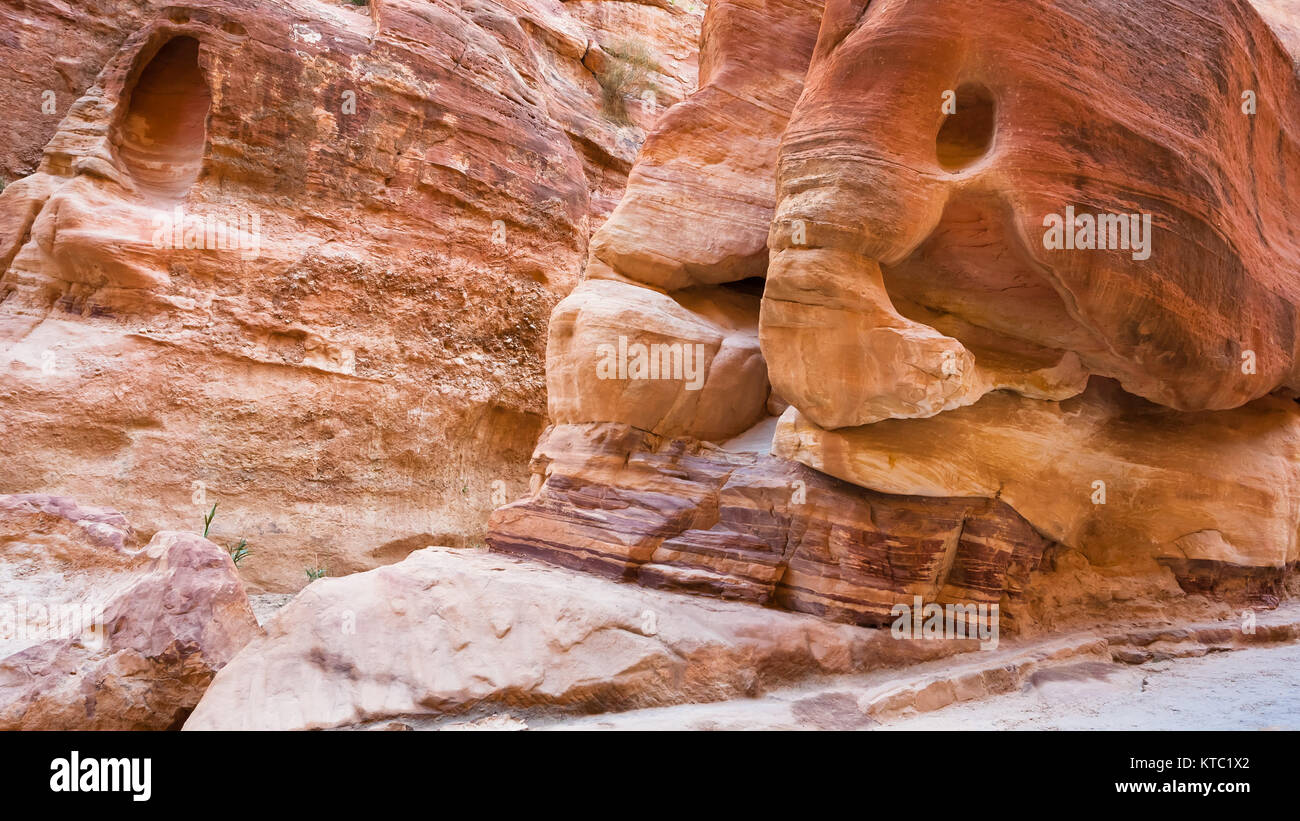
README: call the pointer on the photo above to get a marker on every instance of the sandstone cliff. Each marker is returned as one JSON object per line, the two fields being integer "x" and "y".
{"x": 297, "y": 258}
{"x": 1120, "y": 399}
{"x": 867, "y": 304}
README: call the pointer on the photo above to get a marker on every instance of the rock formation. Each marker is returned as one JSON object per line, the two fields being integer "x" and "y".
{"x": 296, "y": 258}
{"x": 686, "y": 515}
{"x": 925, "y": 248}
{"x": 1003, "y": 403}
{"x": 872, "y": 304}
{"x": 1124, "y": 481}
{"x": 451, "y": 631}
{"x": 100, "y": 633}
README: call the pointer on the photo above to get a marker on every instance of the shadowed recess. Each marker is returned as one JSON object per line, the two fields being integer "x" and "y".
{"x": 966, "y": 134}
{"x": 161, "y": 138}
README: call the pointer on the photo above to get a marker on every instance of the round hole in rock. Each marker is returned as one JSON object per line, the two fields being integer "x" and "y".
{"x": 160, "y": 140}
{"x": 966, "y": 135}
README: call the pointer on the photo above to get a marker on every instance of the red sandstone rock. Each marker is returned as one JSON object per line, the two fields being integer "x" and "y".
{"x": 365, "y": 368}
{"x": 1126, "y": 108}
{"x": 685, "y": 515}
{"x": 699, "y": 199}
{"x": 909, "y": 278}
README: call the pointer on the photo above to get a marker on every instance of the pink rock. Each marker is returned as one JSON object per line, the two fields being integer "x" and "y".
{"x": 97, "y": 633}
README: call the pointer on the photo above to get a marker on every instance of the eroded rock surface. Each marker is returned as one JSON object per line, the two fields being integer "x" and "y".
{"x": 911, "y": 271}
{"x": 1121, "y": 479}
{"x": 100, "y": 633}
{"x": 1127, "y": 405}
{"x": 447, "y": 631}
{"x": 296, "y": 258}
{"x": 681, "y": 514}
{"x": 695, "y": 217}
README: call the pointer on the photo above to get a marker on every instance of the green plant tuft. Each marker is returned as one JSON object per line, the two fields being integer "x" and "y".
{"x": 207, "y": 519}
{"x": 239, "y": 552}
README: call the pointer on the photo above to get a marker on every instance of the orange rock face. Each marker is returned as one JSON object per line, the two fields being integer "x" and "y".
{"x": 869, "y": 301}
{"x": 924, "y": 254}
{"x": 1117, "y": 210}
{"x": 1018, "y": 252}
{"x": 297, "y": 258}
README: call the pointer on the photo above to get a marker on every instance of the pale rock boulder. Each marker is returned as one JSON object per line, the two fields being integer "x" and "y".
{"x": 447, "y": 630}
{"x": 98, "y": 633}
{"x": 1123, "y": 480}
{"x": 681, "y": 364}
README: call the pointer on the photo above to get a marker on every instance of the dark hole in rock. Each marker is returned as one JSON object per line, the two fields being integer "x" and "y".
{"x": 750, "y": 285}
{"x": 966, "y": 135}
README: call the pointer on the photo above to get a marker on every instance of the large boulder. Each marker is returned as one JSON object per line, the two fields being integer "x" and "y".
{"x": 99, "y": 633}
{"x": 685, "y": 364}
{"x": 450, "y": 631}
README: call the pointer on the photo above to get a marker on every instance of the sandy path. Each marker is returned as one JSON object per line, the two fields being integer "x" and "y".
{"x": 1253, "y": 689}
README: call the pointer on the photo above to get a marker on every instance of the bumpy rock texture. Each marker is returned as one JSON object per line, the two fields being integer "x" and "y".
{"x": 346, "y": 352}
{"x": 449, "y": 631}
{"x": 99, "y": 633}
{"x": 1124, "y": 481}
{"x": 1014, "y": 419}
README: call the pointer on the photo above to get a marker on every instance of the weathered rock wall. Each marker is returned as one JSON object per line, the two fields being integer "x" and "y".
{"x": 387, "y": 201}
{"x": 1128, "y": 400}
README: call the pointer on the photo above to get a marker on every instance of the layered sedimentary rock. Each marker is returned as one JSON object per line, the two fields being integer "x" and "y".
{"x": 914, "y": 268}
{"x": 296, "y": 258}
{"x": 447, "y": 632}
{"x": 923, "y": 258}
{"x": 1215, "y": 496}
{"x": 1115, "y": 390}
{"x": 685, "y": 515}
{"x": 695, "y": 216}
{"x": 98, "y": 632}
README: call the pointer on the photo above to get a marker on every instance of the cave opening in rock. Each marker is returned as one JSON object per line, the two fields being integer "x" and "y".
{"x": 161, "y": 138}
{"x": 749, "y": 285}
{"x": 967, "y": 133}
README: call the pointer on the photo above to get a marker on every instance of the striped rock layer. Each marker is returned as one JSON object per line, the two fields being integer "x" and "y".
{"x": 680, "y": 514}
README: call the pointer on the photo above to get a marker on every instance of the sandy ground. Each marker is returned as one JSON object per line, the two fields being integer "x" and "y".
{"x": 1252, "y": 689}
